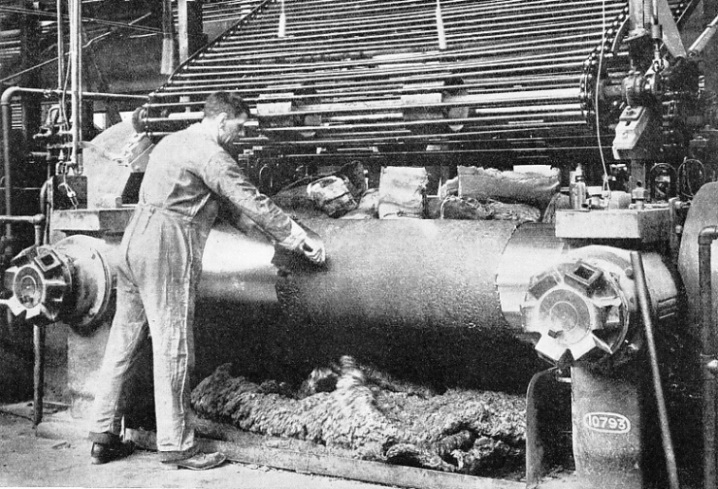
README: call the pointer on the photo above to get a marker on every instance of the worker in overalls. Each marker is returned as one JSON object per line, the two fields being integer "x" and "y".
{"x": 188, "y": 174}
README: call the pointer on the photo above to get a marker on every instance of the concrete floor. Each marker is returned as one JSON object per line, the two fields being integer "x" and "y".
{"x": 30, "y": 460}
{"x": 57, "y": 454}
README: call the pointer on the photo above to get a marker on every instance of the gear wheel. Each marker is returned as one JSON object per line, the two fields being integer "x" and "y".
{"x": 40, "y": 281}
{"x": 576, "y": 307}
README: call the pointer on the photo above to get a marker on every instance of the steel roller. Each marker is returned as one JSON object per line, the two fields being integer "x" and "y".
{"x": 440, "y": 274}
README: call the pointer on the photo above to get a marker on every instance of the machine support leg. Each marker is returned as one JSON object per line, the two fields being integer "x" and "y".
{"x": 535, "y": 446}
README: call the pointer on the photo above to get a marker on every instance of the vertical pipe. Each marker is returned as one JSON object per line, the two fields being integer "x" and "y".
{"x": 182, "y": 30}
{"x": 60, "y": 47}
{"x": 644, "y": 304}
{"x": 168, "y": 41}
{"x": 6, "y": 130}
{"x": 38, "y": 344}
{"x": 38, "y": 341}
{"x": 708, "y": 339}
{"x": 38, "y": 234}
{"x": 76, "y": 75}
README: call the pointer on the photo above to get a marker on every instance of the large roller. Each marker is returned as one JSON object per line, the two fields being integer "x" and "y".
{"x": 408, "y": 273}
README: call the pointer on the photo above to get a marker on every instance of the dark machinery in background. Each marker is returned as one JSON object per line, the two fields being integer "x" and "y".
{"x": 493, "y": 83}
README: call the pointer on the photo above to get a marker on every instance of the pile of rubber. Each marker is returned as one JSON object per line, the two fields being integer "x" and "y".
{"x": 376, "y": 417}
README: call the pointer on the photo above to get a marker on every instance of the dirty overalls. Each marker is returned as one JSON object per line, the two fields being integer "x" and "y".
{"x": 160, "y": 265}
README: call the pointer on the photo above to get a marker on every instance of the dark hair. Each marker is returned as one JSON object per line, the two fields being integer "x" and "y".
{"x": 219, "y": 102}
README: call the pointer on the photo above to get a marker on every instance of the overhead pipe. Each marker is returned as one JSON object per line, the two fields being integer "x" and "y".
{"x": 706, "y": 237}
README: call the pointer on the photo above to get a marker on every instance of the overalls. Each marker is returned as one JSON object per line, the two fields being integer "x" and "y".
{"x": 160, "y": 266}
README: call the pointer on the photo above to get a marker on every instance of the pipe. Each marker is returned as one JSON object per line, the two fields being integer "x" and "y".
{"x": 76, "y": 81}
{"x": 644, "y": 302}
{"x": 38, "y": 337}
{"x": 35, "y": 220}
{"x": 6, "y": 123}
{"x": 38, "y": 342}
{"x": 60, "y": 47}
{"x": 704, "y": 39}
{"x": 705, "y": 241}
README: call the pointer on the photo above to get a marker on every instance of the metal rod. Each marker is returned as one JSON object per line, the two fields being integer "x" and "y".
{"x": 322, "y": 52}
{"x": 105, "y": 22}
{"x": 486, "y": 68}
{"x": 644, "y": 304}
{"x": 337, "y": 18}
{"x": 462, "y": 41}
{"x": 385, "y": 31}
{"x": 6, "y": 130}
{"x": 38, "y": 341}
{"x": 36, "y": 220}
{"x": 704, "y": 39}
{"x": 76, "y": 81}
{"x": 60, "y": 46}
{"x": 38, "y": 334}
{"x": 706, "y": 237}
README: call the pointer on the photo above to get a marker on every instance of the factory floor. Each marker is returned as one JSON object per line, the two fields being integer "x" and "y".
{"x": 57, "y": 457}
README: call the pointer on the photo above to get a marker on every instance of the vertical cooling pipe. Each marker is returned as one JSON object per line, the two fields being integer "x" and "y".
{"x": 644, "y": 303}
{"x": 705, "y": 240}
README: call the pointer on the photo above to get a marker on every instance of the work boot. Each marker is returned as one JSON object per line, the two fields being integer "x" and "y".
{"x": 198, "y": 461}
{"x": 102, "y": 453}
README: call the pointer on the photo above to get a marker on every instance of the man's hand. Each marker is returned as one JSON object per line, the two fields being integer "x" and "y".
{"x": 313, "y": 250}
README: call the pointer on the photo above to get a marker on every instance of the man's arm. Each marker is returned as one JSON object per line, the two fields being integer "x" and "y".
{"x": 224, "y": 177}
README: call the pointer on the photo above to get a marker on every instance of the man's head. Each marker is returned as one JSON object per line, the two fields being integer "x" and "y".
{"x": 228, "y": 113}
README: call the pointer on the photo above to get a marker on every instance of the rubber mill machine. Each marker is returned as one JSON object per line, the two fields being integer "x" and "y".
{"x": 606, "y": 84}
